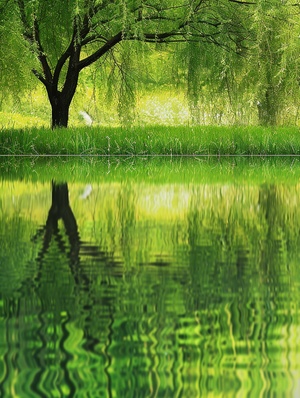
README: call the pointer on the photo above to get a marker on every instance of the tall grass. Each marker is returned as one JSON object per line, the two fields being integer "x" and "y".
{"x": 156, "y": 140}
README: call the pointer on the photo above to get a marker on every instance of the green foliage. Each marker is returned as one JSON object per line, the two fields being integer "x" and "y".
{"x": 14, "y": 55}
{"x": 70, "y": 37}
{"x": 227, "y": 57}
{"x": 274, "y": 61}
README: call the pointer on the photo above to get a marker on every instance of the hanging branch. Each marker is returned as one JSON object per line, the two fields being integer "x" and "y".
{"x": 33, "y": 37}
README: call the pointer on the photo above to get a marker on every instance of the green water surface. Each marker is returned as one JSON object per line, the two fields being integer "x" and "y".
{"x": 148, "y": 278}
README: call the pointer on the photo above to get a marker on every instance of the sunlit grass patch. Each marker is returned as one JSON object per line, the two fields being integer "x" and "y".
{"x": 11, "y": 120}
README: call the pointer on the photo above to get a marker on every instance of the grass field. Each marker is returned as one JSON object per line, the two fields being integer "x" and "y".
{"x": 156, "y": 140}
{"x": 200, "y": 140}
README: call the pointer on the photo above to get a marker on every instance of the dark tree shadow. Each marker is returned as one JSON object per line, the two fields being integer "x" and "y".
{"x": 61, "y": 210}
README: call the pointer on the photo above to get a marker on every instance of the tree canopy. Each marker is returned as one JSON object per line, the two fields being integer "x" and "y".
{"x": 70, "y": 36}
{"x": 240, "y": 51}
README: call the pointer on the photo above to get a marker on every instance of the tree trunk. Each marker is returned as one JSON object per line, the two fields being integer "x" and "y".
{"x": 60, "y": 110}
{"x": 60, "y": 100}
{"x": 268, "y": 108}
{"x": 60, "y": 116}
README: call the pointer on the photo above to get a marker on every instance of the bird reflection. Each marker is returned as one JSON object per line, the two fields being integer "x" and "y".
{"x": 87, "y": 191}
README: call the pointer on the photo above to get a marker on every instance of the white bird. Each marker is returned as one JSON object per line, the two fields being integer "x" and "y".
{"x": 87, "y": 191}
{"x": 87, "y": 118}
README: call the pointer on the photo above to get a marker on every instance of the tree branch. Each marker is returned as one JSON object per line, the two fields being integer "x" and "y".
{"x": 64, "y": 57}
{"x": 160, "y": 37}
{"x": 40, "y": 77}
{"x": 242, "y": 2}
{"x": 101, "y": 51}
{"x": 32, "y": 35}
{"x": 26, "y": 27}
{"x": 41, "y": 55}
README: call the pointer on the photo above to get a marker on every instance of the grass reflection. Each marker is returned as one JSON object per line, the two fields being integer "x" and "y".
{"x": 151, "y": 169}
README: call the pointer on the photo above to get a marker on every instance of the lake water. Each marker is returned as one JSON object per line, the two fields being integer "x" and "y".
{"x": 116, "y": 287}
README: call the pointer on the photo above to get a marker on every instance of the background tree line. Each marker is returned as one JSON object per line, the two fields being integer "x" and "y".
{"x": 233, "y": 61}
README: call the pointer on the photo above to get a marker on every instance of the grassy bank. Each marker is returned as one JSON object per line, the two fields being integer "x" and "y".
{"x": 201, "y": 140}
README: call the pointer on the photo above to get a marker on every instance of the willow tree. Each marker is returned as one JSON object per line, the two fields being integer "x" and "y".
{"x": 274, "y": 63}
{"x": 13, "y": 55}
{"x": 68, "y": 36}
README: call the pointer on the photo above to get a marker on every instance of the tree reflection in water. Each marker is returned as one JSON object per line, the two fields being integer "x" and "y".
{"x": 117, "y": 302}
{"x": 60, "y": 209}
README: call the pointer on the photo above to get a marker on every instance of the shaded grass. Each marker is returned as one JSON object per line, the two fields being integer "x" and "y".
{"x": 182, "y": 170}
{"x": 156, "y": 140}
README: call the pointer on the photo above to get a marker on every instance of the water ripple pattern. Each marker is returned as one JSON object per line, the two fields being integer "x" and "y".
{"x": 149, "y": 290}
